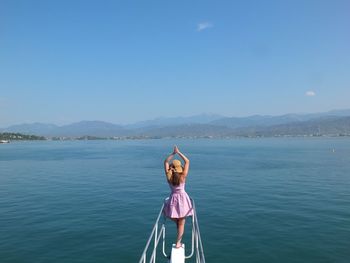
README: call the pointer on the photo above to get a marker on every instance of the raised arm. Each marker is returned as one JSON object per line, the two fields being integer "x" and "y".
{"x": 185, "y": 159}
{"x": 166, "y": 162}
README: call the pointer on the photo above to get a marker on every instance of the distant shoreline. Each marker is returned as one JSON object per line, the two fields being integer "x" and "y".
{"x": 25, "y": 137}
{"x": 10, "y": 136}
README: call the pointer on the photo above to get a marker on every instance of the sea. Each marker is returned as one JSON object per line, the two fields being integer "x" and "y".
{"x": 258, "y": 199}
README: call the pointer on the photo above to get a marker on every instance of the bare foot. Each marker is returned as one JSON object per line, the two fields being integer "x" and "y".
{"x": 178, "y": 245}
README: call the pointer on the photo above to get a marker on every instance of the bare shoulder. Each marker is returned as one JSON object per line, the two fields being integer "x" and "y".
{"x": 183, "y": 178}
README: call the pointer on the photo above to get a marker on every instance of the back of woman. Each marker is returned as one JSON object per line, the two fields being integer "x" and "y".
{"x": 178, "y": 205}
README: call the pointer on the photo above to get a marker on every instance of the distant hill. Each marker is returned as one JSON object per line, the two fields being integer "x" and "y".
{"x": 331, "y": 125}
{"x": 335, "y": 126}
{"x": 173, "y": 121}
{"x": 267, "y": 120}
{"x": 256, "y": 120}
{"x": 328, "y": 123}
{"x": 32, "y": 128}
{"x": 343, "y": 113}
{"x": 92, "y": 128}
{"x": 187, "y": 130}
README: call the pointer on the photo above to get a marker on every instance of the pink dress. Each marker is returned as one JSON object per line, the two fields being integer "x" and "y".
{"x": 179, "y": 203}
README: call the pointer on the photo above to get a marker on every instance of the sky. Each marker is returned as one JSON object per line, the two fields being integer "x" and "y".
{"x": 126, "y": 61}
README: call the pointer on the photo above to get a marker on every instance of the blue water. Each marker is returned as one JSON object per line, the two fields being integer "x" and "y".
{"x": 258, "y": 200}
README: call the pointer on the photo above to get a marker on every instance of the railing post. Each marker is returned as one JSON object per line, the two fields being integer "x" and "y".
{"x": 193, "y": 232}
{"x": 163, "y": 227}
{"x": 155, "y": 243}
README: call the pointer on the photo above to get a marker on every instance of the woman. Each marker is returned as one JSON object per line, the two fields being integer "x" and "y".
{"x": 179, "y": 205}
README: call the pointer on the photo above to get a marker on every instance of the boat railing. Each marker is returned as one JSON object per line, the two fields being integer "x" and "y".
{"x": 158, "y": 232}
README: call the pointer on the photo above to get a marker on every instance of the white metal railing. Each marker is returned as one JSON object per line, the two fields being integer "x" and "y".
{"x": 158, "y": 232}
{"x": 197, "y": 236}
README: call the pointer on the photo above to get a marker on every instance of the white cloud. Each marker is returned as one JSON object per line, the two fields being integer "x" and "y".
{"x": 310, "y": 93}
{"x": 204, "y": 25}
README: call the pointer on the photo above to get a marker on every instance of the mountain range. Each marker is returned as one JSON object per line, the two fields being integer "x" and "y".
{"x": 335, "y": 122}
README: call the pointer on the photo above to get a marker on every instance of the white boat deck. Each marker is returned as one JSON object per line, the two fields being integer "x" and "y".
{"x": 177, "y": 254}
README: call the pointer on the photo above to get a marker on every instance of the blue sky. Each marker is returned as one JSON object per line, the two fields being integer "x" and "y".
{"x": 124, "y": 61}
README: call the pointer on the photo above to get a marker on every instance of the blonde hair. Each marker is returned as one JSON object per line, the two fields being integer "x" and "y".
{"x": 173, "y": 176}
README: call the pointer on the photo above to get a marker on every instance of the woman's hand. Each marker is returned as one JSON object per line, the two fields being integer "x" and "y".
{"x": 167, "y": 160}
{"x": 183, "y": 157}
{"x": 176, "y": 150}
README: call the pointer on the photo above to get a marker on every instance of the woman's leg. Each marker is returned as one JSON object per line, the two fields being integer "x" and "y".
{"x": 176, "y": 220}
{"x": 180, "y": 231}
